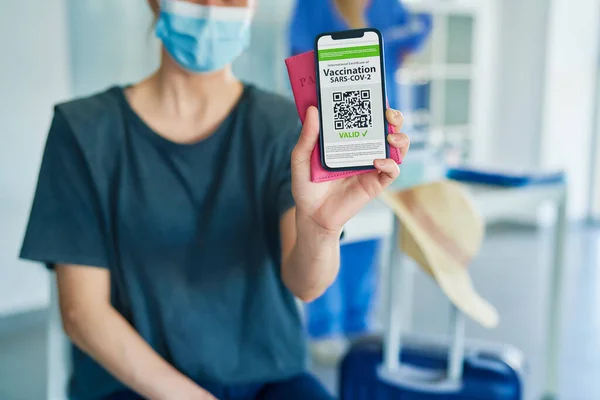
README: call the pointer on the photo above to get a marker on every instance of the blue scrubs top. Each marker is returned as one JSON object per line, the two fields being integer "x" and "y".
{"x": 403, "y": 32}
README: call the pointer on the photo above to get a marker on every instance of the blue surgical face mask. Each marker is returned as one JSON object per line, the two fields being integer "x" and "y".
{"x": 203, "y": 38}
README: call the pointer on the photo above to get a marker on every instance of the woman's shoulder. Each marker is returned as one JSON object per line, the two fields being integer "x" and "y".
{"x": 92, "y": 117}
{"x": 98, "y": 105}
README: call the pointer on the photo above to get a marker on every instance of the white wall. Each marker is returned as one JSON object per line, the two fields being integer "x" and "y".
{"x": 111, "y": 42}
{"x": 548, "y": 56}
{"x": 521, "y": 57}
{"x": 595, "y": 196}
{"x": 33, "y": 76}
{"x": 572, "y": 55}
{"x": 263, "y": 63}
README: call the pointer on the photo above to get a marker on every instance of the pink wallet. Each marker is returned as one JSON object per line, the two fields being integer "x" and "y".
{"x": 301, "y": 71}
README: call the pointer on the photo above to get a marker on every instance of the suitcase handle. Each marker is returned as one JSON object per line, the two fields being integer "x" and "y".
{"x": 392, "y": 371}
{"x": 419, "y": 379}
{"x": 431, "y": 381}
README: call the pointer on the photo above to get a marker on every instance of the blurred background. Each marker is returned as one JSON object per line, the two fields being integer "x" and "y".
{"x": 510, "y": 85}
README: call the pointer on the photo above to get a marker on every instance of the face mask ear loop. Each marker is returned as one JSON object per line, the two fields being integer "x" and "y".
{"x": 251, "y": 11}
{"x": 248, "y": 22}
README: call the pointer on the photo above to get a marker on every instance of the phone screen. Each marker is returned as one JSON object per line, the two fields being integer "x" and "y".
{"x": 351, "y": 99}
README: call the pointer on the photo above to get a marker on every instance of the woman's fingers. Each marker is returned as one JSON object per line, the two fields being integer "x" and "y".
{"x": 308, "y": 138}
{"x": 388, "y": 169}
{"x": 399, "y": 141}
{"x": 306, "y": 143}
{"x": 394, "y": 118}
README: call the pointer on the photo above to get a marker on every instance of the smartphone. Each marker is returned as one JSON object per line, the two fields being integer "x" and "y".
{"x": 352, "y": 101}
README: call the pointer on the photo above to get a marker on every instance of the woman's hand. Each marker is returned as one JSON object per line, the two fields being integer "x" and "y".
{"x": 311, "y": 232}
{"x": 325, "y": 207}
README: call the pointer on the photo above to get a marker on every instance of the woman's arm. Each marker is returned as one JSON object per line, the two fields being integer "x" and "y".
{"x": 311, "y": 257}
{"x": 310, "y": 232}
{"x": 310, "y": 251}
{"x": 101, "y": 331}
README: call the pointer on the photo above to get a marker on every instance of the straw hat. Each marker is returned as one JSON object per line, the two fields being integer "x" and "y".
{"x": 442, "y": 231}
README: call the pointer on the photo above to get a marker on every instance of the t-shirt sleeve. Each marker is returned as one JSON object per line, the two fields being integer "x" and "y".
{"x": 65, "y": 222}
{"x": 284, "y": 200}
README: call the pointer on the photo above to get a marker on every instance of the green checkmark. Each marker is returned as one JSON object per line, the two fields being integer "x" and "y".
{"x": 365, "y": 134}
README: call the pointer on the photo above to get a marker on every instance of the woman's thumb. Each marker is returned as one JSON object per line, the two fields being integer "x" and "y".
{"x": 309, "y": 136}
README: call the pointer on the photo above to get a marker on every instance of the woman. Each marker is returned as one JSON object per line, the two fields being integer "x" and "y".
{"x": 180, "y": 219}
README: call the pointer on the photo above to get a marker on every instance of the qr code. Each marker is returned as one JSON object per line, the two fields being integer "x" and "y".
{"x": 352, "y": 109}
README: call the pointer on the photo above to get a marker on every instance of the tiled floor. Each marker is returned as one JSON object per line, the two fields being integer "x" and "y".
{"x": 511, "y": 272}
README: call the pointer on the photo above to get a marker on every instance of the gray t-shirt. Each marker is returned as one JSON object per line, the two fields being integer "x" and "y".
{"x": 190, "y": 234}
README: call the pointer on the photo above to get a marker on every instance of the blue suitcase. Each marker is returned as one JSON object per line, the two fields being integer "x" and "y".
{"x": 490, "y": 372}
{"x": 397, "y": 368}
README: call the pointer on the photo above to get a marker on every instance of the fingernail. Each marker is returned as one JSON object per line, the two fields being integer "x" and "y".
{"x": 379, "y": 163}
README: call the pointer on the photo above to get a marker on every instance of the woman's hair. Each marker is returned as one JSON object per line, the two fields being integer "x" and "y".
{"x": 154, "y": 6}
{"x": 155, "y": 10}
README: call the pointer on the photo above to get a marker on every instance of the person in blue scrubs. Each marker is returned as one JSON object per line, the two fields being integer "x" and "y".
{"x": 179, "y": 217}
{"x": 403, "y": 31}
{"x": 345, "y": 307}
